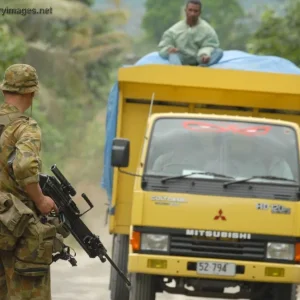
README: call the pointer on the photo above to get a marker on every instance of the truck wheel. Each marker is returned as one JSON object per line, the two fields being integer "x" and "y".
{"x": 111, "y": 268}
{"x": 118, "y": 289}
{"x": 143, "y": 287}
{"x": 274, "y": 292}
{"x": 285, "y": 291}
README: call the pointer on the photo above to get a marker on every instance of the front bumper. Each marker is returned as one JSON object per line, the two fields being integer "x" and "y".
{"x": 186, "y": 267}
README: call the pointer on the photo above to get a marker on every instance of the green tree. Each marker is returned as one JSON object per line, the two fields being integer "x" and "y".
{"x": 279, "y": 35}
{"x": 229, "y": 20}
{"x": 75, "y": 51}
{"x": 12, "y": 48}
{"x": 159, "y": 16}
{"x": 88, "y": 2}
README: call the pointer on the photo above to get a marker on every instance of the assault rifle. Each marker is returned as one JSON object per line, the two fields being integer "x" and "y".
{"x": 60, "y": 190}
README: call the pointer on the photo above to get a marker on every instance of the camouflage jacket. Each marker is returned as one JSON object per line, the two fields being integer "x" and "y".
{"x": 25, "y": 135}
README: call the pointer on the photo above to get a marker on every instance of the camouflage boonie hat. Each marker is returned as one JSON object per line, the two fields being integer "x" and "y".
{"x": 21, "y": 79}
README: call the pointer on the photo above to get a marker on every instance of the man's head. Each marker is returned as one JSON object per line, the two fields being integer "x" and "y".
{"x": 193, "y": 11}
{"x": 19, "y": 85}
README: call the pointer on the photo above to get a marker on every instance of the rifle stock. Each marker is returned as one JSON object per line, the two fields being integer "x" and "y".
{"x": 60, "y": 190}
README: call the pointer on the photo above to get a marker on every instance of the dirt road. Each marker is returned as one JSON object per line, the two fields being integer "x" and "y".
{"x": 89, "y": 280}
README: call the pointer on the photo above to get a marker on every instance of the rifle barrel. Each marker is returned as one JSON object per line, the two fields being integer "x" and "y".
{"x": 128, "y": 283}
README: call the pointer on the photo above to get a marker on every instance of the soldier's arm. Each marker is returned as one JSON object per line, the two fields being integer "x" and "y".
{"x": 44, "y": 204}
{"x": 35, "y": 193}
{"x": 27, "y": 164}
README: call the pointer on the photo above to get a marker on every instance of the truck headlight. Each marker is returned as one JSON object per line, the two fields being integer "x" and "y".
{"x": 280, "y": 251}
{"x": 154, "y": 242}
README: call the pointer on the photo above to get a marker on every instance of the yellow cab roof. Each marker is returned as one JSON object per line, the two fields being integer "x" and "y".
{"x": 247, "y": 119}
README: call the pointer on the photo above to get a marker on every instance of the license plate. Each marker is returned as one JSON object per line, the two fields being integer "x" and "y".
{"x": 216, "y": 268}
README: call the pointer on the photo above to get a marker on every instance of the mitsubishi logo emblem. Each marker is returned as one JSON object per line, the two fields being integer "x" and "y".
{"x": 220, "y": 216}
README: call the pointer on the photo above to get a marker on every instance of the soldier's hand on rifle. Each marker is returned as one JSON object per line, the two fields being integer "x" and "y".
{"x": 47, "y": 205}
{"x": 43, "y": 203}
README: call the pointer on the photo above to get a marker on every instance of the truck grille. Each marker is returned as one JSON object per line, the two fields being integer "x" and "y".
{"x": 215, "y": 248}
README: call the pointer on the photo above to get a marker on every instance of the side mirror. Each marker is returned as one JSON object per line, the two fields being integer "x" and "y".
{"x": 120, "y": 153}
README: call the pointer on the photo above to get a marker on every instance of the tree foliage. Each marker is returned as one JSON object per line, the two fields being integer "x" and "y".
{"x": 279, "y": 35}
{"x": 75, "y": 51}
{"x": 12, "y": 48}
{"x": 159, "y": 16}
{"x": 229, "y": 20}
{"x": 88, "y": 2}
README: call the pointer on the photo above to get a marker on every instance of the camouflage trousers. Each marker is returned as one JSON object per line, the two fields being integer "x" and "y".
{"x": 19, "y": 287}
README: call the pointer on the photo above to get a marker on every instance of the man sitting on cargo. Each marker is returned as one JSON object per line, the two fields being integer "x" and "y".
{"x": 191, "y": 41}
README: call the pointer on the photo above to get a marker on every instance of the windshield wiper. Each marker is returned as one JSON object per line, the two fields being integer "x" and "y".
{"x": 196, "y": 173}
{"x": 226, "y": 184}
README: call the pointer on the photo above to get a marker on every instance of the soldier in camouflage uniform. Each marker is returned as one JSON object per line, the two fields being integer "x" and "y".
{"x": 25, "y": 242}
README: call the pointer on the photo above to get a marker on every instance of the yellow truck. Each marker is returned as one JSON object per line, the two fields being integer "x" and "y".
{"x": 205, "y": 190}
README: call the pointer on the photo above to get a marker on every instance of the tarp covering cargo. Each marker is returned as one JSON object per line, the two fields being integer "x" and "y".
{"x": 235, "y": 60}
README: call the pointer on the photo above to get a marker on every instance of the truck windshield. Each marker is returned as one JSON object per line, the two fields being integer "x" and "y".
{"x": 238, "y": 149}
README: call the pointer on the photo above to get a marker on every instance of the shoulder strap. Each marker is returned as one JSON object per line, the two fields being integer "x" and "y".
{"x": 6, "y": 120}
{"x": 9, "y": 118}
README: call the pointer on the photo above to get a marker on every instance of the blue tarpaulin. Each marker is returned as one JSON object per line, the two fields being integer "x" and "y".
{"x": 233, "y": 59}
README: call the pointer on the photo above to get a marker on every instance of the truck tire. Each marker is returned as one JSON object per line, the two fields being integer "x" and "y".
{"x": 285, "y": 291}
{"x": 118, "y": 289}
{"x": 111, "y": 268}
{"x": 143, "y": 287}
{"x": 275, "y": 292}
